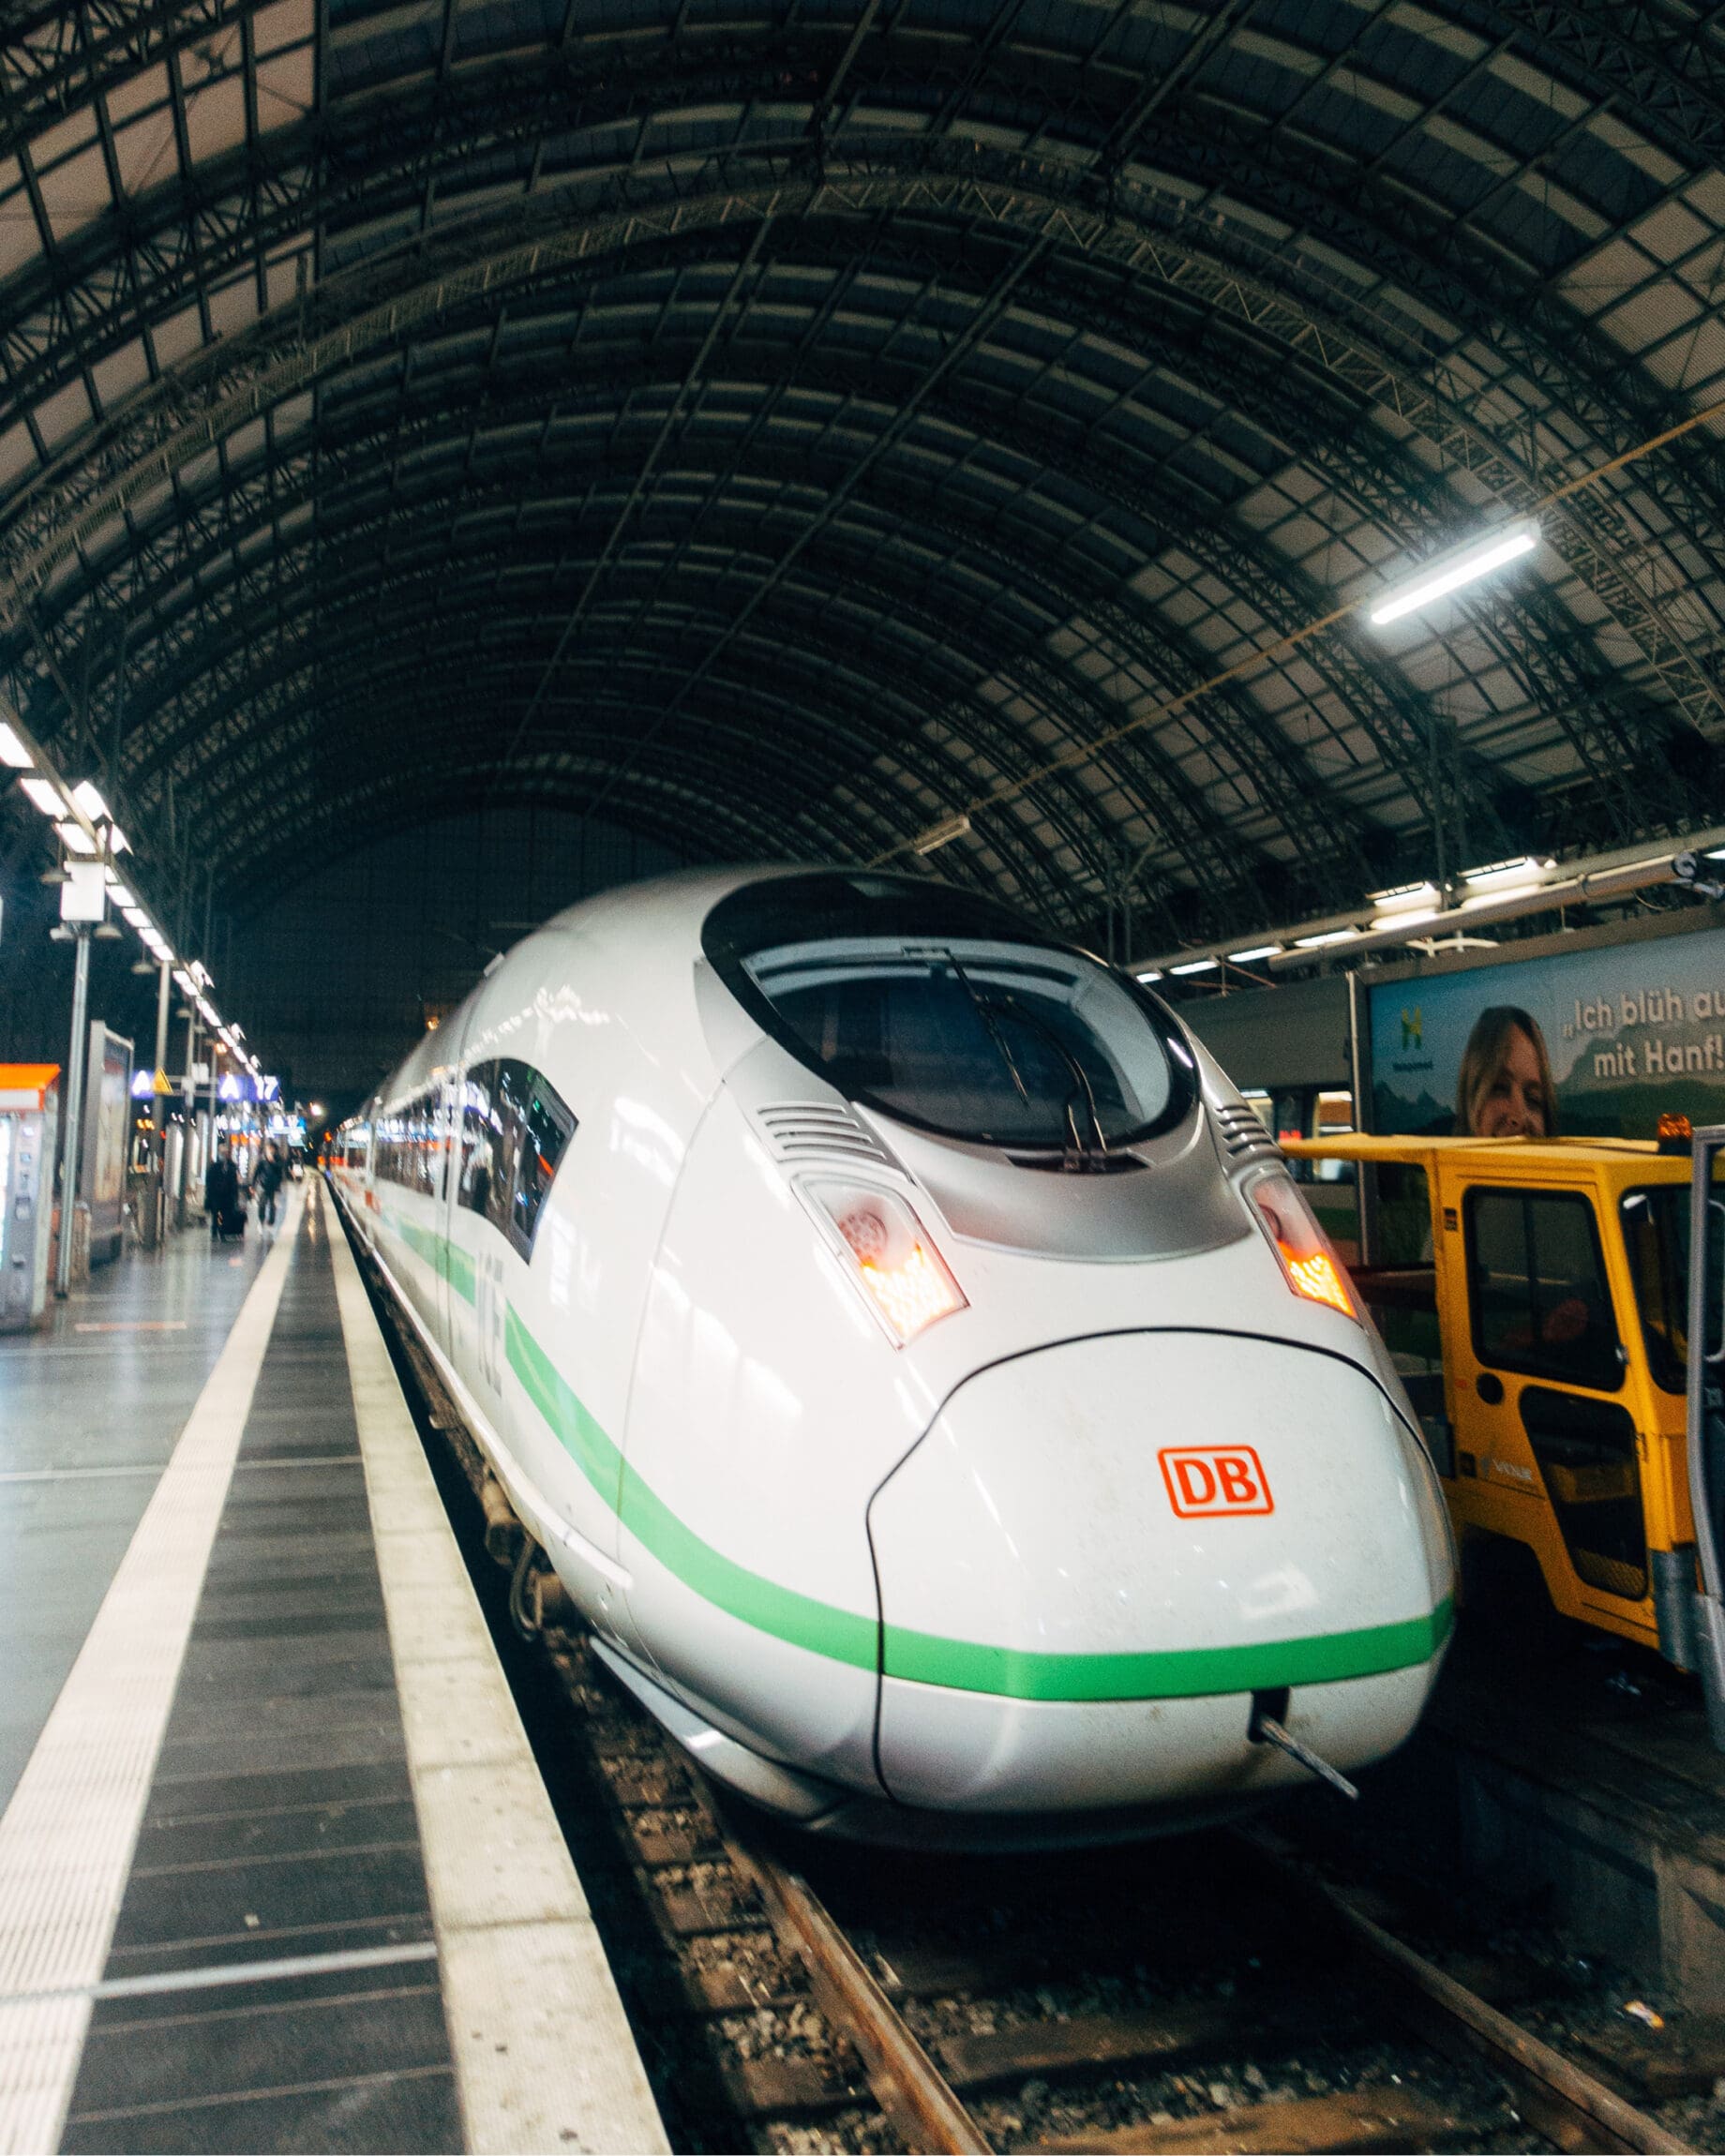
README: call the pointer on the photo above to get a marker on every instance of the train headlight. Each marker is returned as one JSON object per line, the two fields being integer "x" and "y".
{"x": 1308, "y": 1263}
{"x": 892, "y": 1256}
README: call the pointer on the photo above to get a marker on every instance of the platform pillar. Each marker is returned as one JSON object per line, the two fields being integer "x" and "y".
{"x": 74, "y": 1108}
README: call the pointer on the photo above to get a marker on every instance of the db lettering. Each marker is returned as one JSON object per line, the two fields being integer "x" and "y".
{"x": 1207, "y": 1481}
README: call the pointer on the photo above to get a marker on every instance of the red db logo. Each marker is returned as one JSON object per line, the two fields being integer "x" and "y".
{"x": 1208, "y": 1481}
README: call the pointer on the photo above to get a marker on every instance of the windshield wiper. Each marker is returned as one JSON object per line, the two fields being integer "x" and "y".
{"x": 1081, "y": 1083}
{"x": 986, "y": 1008}
{"x": 985, "y": 1011}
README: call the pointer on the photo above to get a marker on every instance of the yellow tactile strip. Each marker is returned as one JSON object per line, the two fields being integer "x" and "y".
{"x": 545, "y": 2058}
{"x": 67, "y": 1836}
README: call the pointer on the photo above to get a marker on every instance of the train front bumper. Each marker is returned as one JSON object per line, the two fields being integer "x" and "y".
{"x": 1102, "y": 1551}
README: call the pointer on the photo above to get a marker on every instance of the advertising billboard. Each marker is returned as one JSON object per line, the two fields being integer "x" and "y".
{"x": 107, "y": 1118}
{"x": 1595, "y": 1043}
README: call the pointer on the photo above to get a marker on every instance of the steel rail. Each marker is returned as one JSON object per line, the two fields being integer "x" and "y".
{"x": 906, "y": 2084}
{"x": 1563, "y": 2101}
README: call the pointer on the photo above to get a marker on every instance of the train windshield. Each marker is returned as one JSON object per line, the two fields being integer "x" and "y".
{"x": 945, "y": 1011}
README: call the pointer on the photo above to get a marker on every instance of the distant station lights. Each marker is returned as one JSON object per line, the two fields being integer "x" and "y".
{"x": 92, "y": 841}
{"x": 1504, "y": 879}
{"x": 1407, "y": 904}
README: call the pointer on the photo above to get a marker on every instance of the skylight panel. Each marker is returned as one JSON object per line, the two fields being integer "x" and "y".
{"x": 118, "y": 373}
{"x": 21, "y": 242}
{"x": 146, "y": 152}
{"x": 62, "y": 413}
{"x": 286, "y": 88}
{"x": 75, "y": 192}
{"x": 216, "y": 117}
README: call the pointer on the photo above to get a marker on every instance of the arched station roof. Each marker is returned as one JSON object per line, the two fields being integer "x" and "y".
{"x": 775, "y": 426}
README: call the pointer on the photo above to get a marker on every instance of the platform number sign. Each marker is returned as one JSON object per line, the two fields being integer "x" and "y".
{"x": 1215, "y": 1481}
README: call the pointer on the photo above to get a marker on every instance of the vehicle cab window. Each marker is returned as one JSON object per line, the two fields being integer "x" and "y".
{"x": 515, "y": 1127}
{"x": 1538, "y": 1291}
{"x": 946, "y": 1012}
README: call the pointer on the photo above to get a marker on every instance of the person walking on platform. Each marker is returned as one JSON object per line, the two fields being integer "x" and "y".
{"x": 267, "y": 1183}
{"x": 222, "y": 1192}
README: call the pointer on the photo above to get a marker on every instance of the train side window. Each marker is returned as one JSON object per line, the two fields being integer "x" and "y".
{"x": 1537, "y": 1287}
{"x": 481, "y": 1132}
{"x": 436, "y": 1146}
{"x": 539, "y": 1126}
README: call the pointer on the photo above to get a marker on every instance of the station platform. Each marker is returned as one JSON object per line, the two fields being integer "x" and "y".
{"x": 276, "y": 1866}
{"x": 1571, "y": 1775}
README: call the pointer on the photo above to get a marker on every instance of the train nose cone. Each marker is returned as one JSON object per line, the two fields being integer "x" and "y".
{"x": 1101, "y": 1551}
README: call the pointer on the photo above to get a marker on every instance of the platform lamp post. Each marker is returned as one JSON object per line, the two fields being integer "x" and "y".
{"x": 188, "y": 1093}
{"x": 84, "y": 909}
{"x": 80, "y": 932}
{"x": 159, "y": 1103}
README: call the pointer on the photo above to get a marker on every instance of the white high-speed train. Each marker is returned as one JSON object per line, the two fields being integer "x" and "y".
{"x": 914, "y": 1356}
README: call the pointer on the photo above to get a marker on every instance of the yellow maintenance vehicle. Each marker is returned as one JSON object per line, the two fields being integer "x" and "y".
{"x": 1537, "y": 1294}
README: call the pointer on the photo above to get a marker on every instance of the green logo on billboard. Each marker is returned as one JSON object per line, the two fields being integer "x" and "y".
{"x": 1413, "y": 1028}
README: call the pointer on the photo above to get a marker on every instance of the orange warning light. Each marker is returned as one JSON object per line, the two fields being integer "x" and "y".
{"x": 1314, "y": 1275}
{"x": 911, "y": 1294}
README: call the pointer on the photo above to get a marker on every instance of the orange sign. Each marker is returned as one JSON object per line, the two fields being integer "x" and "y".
{"x": 1211, "y": 1481}
{"x": 27, "y": 1084}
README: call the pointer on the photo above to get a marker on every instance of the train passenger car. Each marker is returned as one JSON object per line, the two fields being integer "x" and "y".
{"x": 915, "y": 1359}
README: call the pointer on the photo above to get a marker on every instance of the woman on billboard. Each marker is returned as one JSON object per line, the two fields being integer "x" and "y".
{"x": 1504, "y": 1088}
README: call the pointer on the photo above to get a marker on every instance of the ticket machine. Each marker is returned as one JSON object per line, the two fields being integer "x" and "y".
{"x": 29, "y": 1114}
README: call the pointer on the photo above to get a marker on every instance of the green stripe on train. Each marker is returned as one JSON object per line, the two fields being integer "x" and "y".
{"x": 925, "y": 1658}
{"x": 443, "y": 1257}
{"x": 1324, "y": 1658}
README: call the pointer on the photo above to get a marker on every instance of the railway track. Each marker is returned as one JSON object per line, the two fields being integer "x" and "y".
{"x": 1213, "y": 1994}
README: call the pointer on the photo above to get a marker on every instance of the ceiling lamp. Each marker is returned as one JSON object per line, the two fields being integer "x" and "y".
{"x": 1462, "y": 566}
{"x": 942, "y": 833}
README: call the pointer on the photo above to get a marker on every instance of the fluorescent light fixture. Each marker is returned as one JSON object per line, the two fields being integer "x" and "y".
{"x": 13, "y": 752}
{"x": 1500, "y": 878}
{"x": 83, "y": 895}
{"x": 135, "y": 914}
{"x": 46, "y": 796}
{"x": 1329, "y": 935}
{"x": 1257, "y": 951}
{"x": 86, "y": 797}
{"x": 76, "y": 837}
{"x": 1152, "y": 974}
{"x": 1407, "y": 898}
{"x": 119, "y": 892}
{"x": 1194, "y": 966}
{"x": 1461, "y": 565}
{"x": 942, "y": 833}
{"x": 182, "y": 981}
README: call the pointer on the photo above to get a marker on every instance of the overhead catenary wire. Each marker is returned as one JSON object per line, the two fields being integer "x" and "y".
{"x": 1078, "y": 754}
